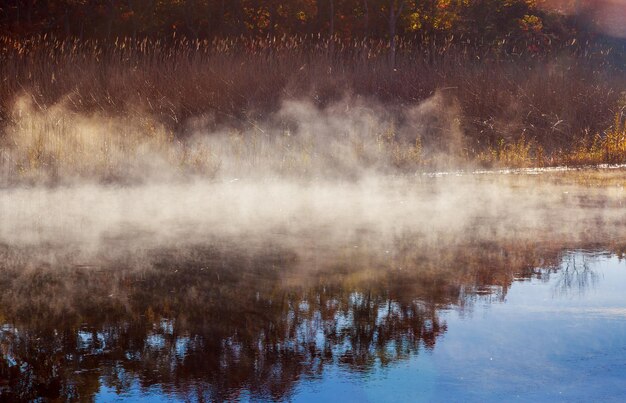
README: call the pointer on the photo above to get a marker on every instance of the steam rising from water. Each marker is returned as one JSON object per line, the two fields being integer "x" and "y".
{"x": 343, "y": 176}
{"x": 352, "y": 138}
{"x": 92, "y": 222}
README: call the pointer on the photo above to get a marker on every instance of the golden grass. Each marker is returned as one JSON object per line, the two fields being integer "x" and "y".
{"x": 607, "y": 148}
{"x": 522, "y": 153}
{"x": 55, "y": 144}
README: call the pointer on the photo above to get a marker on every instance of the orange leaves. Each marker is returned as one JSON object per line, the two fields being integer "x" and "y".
{"x": 531, "y": 23}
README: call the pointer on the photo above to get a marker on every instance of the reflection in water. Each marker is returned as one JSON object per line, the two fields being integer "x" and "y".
{"x": 267, "y": 291}
{"x": 575, "y": 274}
{"x": 212, "y": 323}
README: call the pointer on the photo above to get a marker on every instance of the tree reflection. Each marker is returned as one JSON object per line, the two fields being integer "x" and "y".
{"x": 209, "y": 323}
{"x": 575, "y": 274}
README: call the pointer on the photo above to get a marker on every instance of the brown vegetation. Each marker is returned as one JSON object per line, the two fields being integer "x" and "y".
{"x": 531, "y": 110}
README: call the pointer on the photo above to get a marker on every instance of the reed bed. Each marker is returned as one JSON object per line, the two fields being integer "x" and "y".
{"x": 526, "y": 109}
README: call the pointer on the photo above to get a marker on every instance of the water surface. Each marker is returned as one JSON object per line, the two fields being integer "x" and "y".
{"x": 471, "y": 296}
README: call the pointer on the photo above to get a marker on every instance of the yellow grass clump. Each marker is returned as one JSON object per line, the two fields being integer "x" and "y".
{"x": 54, "y": 144}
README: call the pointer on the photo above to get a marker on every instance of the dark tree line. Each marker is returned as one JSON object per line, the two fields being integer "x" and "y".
{"x": 473, "y": 21}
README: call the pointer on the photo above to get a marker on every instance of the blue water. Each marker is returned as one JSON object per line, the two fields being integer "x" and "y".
{"x": 540, "y": 344}
{"x": 561, "y": 337}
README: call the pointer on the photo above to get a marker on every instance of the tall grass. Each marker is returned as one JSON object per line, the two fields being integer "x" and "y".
{"x": 512, "y": 110}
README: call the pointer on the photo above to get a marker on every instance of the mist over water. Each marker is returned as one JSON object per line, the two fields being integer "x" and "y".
{"x": 93, "y": 219}
{"x": 230, "y": 263}
{"x": 352, "y": 171}
{"x": 312, "y": 201}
